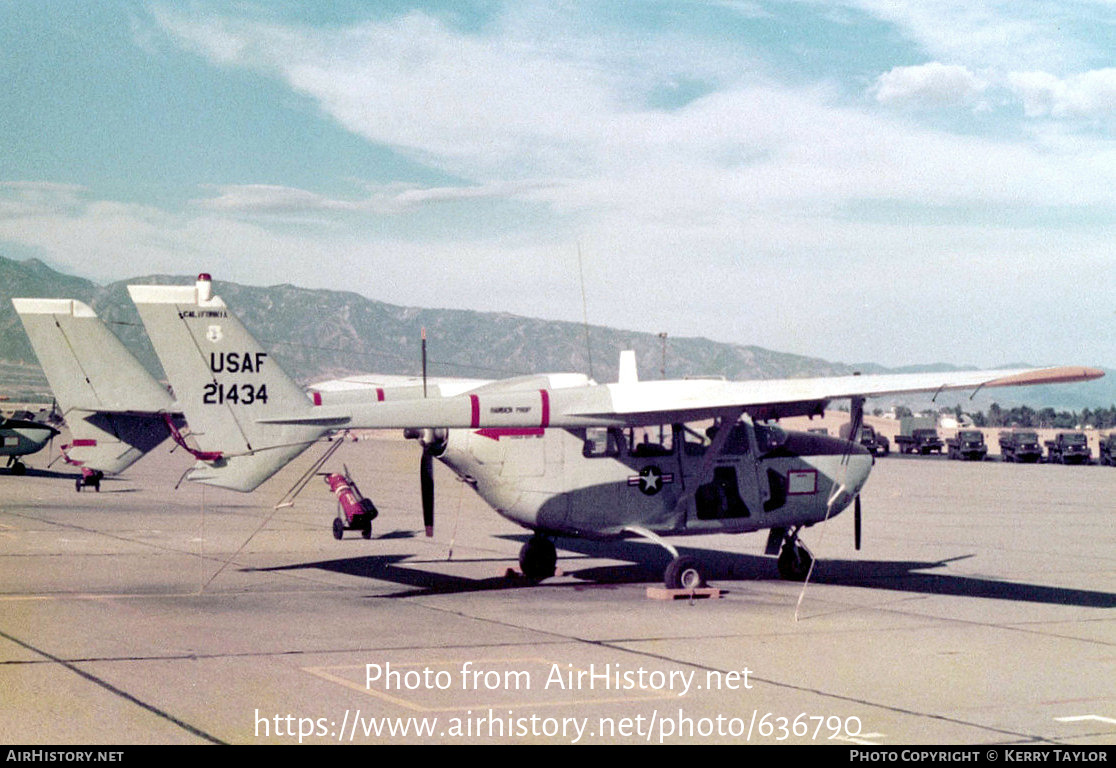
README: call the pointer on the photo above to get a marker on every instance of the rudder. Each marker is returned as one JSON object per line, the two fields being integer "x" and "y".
{"x": 224, "y": 382}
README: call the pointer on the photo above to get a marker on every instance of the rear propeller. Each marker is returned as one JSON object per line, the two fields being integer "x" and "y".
{"x": 433, "y": 442}
{"x": 426, "y": 482}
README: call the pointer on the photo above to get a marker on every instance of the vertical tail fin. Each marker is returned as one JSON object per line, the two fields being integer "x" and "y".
{"x": 112, "y": 405}
{"x": 225, "y": 382}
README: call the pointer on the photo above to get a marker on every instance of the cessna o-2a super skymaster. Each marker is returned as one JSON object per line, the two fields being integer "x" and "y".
{"x": 556, "y": 453}
{"x": 21, "y": 437}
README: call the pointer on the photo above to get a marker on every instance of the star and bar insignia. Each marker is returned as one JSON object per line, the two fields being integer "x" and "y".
{"x": 651, "y": 479}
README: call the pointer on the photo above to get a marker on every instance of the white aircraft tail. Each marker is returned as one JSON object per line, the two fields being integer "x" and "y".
{"x": 225, "y": 384}
{"x": 114, "y": 408}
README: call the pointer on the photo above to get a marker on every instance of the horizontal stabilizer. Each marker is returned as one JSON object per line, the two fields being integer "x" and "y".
{"x": 246, "y": 472}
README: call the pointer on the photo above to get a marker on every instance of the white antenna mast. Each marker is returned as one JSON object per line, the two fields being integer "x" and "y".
{"x": 584, "y": 310}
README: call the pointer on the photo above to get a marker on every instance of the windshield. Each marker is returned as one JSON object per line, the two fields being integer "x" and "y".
{"x": 769, "y": 437}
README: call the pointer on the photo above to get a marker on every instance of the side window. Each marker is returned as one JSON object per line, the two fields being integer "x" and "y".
{"x": 651, "y": 441}
{"x": 694, "y": 443}
{"x": 600, "y": 441}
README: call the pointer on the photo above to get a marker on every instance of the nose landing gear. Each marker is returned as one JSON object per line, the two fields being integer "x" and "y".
{"x": 794, "y": 558}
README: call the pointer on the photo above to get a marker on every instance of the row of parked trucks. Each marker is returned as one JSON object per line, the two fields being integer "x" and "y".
{"x": 919, "y": 435}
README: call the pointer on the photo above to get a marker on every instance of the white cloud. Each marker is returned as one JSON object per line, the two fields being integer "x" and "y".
{"x": 547, "y": 120}
{"x": 1087, "y": 95}
{"x": 928, "y": 85}
{"x": 20, "y": 199}
{"x": 389, "y": 199}
{"x": 998, "y": 34}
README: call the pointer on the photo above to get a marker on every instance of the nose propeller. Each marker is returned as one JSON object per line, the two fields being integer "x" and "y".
{"x": 856, "y": 418}
{"x": 856, "y": 521}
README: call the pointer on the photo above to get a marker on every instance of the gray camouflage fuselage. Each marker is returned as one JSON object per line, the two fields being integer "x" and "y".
{"x": 551, "y": 480}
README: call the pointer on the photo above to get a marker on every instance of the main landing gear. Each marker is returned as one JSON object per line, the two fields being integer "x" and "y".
{"x": 683, "y": 571}
{"x": 538, "y": 558}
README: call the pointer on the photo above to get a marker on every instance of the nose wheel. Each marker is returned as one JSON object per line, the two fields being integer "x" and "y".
{"x": 794, "y": 560}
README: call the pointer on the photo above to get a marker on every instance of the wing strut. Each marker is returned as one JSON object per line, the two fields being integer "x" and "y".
{"x": 296, "y": 489}
{"x": 856, "y": 416}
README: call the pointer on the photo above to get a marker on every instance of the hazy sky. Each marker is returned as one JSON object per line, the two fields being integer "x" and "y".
{"x": 860, "y": 181}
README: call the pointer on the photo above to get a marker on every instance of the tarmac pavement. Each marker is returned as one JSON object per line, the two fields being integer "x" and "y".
{"x": 981, "y": 610}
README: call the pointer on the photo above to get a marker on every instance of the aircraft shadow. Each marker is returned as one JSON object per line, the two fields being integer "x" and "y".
{"x": 51, "y": 474}
{"x": 645, "y": 564}
{"x": 387, "y": 568}
{"x": 32, "y": 472}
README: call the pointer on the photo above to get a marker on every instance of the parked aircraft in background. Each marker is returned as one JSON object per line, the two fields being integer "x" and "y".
{"x": 558, "y": 454}
{"x": 116, "y": 411}
{"x": 22, "y": 437}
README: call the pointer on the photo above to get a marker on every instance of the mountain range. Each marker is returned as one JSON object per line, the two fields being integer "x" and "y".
{"x": 322, "y": 334}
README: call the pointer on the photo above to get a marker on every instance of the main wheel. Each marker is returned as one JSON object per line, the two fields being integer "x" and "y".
{"x": 338, "y": 528}
{"x": 19, "y": 468}
{"x": 366, "y": 531}
{"x": 684, "y": 573}
{"x": 538, "y": 558}
{"x": 794, "y": 563}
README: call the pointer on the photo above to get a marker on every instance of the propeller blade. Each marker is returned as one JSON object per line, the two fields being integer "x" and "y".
{"x": 856, "y": 521}
{"x": 426, "y": 482}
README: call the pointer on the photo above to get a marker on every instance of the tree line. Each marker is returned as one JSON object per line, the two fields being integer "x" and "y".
{"x": 1025, "y": 416}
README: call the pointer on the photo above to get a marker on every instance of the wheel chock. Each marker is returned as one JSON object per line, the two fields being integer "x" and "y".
{"x": 702, "y": 593}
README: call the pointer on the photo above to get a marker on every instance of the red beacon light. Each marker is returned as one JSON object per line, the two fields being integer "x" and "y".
{"x": 205, "y": 287}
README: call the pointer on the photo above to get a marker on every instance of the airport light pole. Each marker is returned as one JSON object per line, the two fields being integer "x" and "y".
{"x": 662, "y": 368}
{"x": 662, "y": 375}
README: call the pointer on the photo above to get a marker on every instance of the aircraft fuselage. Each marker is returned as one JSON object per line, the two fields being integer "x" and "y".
{"x": 19, "y": 437}
{"x": 672, "y": 480}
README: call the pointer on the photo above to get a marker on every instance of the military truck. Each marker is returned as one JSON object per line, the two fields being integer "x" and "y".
{"x": 876, "y": 443}
{"x": 968, "y": 445}
{"x": 918, "y": 434}
{"x": 1020, "y": 445}
{"x": 1068, "y": 448}
{"x": 1108, "y": 450}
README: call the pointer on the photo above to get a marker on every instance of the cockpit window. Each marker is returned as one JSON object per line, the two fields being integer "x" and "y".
{"x": 769, "y": 437}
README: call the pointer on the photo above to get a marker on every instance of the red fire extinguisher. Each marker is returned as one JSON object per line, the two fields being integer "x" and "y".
{"x": 354, "y": 512}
